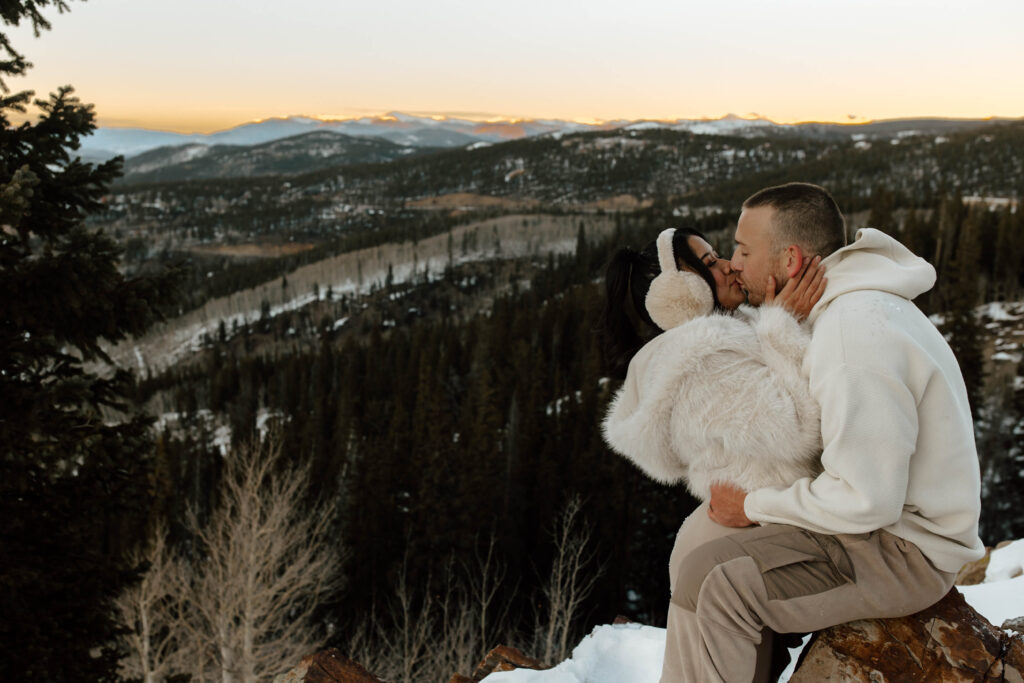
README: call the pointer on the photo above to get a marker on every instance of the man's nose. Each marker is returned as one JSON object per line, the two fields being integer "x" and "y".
{"x": 735, "y": 263}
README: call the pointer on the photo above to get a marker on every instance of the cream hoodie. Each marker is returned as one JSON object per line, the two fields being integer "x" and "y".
{"x": 898, "y": 437}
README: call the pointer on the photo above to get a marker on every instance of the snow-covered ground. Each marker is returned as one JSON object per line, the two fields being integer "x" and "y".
{"x": 631, "y": 652}
{"x": 219, "y": 432}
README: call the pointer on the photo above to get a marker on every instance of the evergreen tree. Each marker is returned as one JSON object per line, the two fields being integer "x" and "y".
{"x": 964, "y": 332}
{"x": 73, "y": 462}
{"x": 1009, "y": 255}
{"x": 882, "y": 204}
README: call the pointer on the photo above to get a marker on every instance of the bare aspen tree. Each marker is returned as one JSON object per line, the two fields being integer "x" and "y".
{"x": 570, "y": 582}
{"x": 151, "y": 611}
{"x": 263, "y": 563}
{"x": 456, "y": 643}
{"x": 484, "y": 580}
{"x": 429, "y": 637}
{"x": 409, "y": 637}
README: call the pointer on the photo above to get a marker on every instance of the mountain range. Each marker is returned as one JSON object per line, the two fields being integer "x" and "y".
{"x": 299, "y": 143}
{"x": 421, "y": 131}
{"x": 295, "y": 154}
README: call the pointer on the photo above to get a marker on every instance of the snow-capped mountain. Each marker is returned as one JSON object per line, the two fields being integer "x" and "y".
{"x": 308, "y": 151}
{"x": 396, "y": 127}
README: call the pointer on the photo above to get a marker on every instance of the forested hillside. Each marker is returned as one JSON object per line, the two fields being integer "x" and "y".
{"x": 339, "y": 209}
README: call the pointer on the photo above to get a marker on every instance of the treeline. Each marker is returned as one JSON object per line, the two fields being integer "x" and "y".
{"x": 679, "y": 165}
{"x": 917, "y": 170}
{"x": 331, "y": 209}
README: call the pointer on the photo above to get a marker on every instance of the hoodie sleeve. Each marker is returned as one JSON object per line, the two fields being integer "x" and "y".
{"x": 869, "y": 425}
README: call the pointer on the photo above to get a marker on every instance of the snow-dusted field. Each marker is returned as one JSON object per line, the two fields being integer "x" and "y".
{"x": 355, "y": 272}
{"x": 631, "y": 652}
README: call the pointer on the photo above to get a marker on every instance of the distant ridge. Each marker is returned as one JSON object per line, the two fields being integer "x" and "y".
{"x": 260, "y": 147}
{"x": 396, "y": 127}
{"x": 297, "y": 153}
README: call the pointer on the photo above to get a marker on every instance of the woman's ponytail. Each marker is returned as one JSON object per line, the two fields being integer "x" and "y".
{"x": 621, "y": 336}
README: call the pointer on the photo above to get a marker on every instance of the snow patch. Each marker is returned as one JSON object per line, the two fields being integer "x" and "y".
{"x": 610, "y": 654}
{"x": 996, "y": 601}
{"x": 1006, "y": 563}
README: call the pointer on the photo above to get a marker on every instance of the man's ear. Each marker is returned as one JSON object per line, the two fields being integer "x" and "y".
{"x": 792, "y": 261}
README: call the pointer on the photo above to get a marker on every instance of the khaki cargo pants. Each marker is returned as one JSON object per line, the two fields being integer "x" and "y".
{"x": 732, "y": 587}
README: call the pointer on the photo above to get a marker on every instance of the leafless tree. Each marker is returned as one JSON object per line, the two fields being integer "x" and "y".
{"x": 429, "y": 635}
{"x": 263, "y": 563}
{"x": 456, "y": 644}
{"x": 484, "y": 581}
{"x": 151, "y": 610}
{"x": 397, "y": 647}
{"x": 571, "y": 580}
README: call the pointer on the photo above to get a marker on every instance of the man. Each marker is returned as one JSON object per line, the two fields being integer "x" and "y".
{"x": 894, "y": 515}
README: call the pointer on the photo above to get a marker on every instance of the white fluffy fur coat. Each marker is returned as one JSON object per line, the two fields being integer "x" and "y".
{"x": 720, "y": 399}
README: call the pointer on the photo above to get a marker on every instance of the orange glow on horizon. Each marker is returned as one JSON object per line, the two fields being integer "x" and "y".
{"x": 209, "y": 122}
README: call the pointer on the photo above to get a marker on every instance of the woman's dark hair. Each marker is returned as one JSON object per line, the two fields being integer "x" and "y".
{"x": 627, "y": 280}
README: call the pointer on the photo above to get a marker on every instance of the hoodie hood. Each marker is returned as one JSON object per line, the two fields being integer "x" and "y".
{"x": 874, "y": 261}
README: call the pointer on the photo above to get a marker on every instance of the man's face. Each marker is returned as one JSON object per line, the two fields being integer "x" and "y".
{"x": 755, "y": 257}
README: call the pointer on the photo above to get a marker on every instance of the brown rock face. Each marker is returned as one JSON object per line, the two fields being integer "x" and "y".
{"x": 501, "y": 658}
{"x": 973, "y": 573}
{"x": 946, "y": 642}
{"x": 328, "y": 666}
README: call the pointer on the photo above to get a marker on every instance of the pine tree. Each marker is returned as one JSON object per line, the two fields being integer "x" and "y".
{"x": 961, "y": 294}
{"x": 882, "y": 204}
{"x": 74, "y": 461}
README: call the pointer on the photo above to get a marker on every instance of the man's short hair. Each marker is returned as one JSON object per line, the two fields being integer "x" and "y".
{"x": 805, "y": 215}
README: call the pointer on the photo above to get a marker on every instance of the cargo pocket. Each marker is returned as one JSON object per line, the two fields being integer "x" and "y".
{"x": 796, "y": 563}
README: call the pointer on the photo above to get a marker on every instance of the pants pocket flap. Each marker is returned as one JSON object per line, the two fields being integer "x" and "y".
{"x": 770, "y": 553}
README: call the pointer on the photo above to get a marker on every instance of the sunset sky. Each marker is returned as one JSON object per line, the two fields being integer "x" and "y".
{"x": 205, "y": 65}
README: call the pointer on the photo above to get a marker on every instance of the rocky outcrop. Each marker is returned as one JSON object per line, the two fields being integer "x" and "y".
{"x": 946, "y": 642}
{"x": 501, "y": 658}
{"x": 973, "y": 573}
{"x": 328, "y": 666}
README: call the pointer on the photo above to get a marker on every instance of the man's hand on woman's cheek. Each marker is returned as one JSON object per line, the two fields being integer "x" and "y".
{"x": 726, "y": 506}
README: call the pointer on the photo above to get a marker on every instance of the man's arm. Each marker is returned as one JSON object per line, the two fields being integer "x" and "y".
{"x": 869, "y": 428}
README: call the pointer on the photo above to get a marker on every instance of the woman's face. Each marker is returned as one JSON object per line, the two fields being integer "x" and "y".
{"x": 727, "y": 287}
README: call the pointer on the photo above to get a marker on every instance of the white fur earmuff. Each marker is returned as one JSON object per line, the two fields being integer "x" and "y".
{"x": 676, "y": 296}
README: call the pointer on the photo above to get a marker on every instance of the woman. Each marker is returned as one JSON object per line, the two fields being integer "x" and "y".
{"x": 717, "y": 396}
